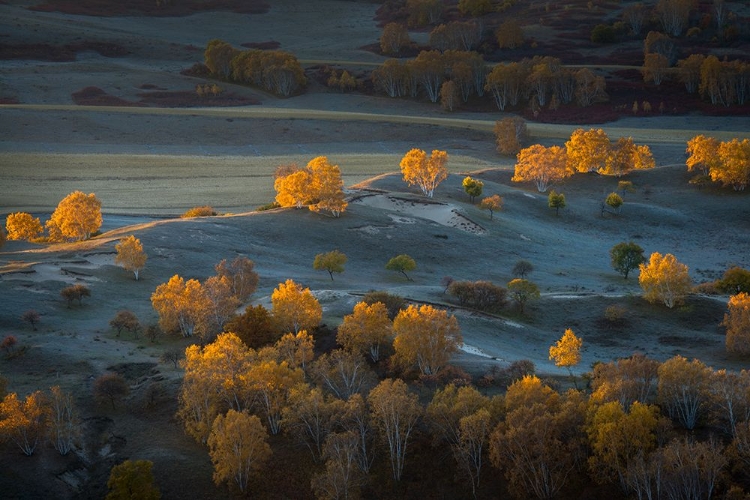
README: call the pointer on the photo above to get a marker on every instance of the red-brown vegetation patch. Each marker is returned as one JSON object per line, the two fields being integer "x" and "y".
{"x": 268, "y": 45}
{"x": 59, "y": 53}
{"x": 8, "y": 100}
{"x": 94, "y": 96}
{"x": 110, "y": 8}
{"x": 198, "y": 70}
{"x": 189, "y": 99}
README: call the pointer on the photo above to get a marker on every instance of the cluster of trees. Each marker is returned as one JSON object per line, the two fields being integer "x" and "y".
{"x": 272, "y": 70}
{"x": 76, "y": 218}
{"x": 486, "y": 296}
{"x": 202, "y": 309}
{"x": 726, "y": 162}
{"x": 586, "y": 151}
{"x": 318, "y": 186}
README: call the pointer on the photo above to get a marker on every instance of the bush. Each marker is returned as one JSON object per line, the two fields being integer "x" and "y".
{"x": 393, "y": 303}
{"x": 267, "y": 206}
{"x": 110, "y": 387}
{"x": 603, "y": 33}
{"x": 481, "y": 295}
{"x": 204, "y": 211}
{"x": 75, "y": 292}
{"x": 735, "y": 280}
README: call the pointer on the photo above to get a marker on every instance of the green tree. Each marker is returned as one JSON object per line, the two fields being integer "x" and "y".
{"x": 614, "y": 201}
{"x": 522, "y": 291}
{"x": 556, "y": 200}
{"x": 625, "y": 257}
{"x": 401, "y": 264}
{"x": 132, "y": 480}
{"x": 473, "y": 187}
{"x": 333, "y": 262}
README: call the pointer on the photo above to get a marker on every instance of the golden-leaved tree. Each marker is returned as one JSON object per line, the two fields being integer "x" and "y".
{"x": 332, "y": 261}
{"x": 270, "y": 383}
{"x": 425, "y": 337}
{"x": 703, "y": 154}
{"x": 22, "y": 226}
{"x": 664, "y": 279}
{"x": 132, "y": 479}
{"x": 683, "y": 390}
{"x": 242, "y": 277}
{"x": 737, "y": 323}
{"x": 510, "y": 134}
{"x": 295, "y": 308}
{"x": 566, "y": 352}
{"x": 541, "y": 165}
{"x": 293, "y": 189}
{"x": 625, "y": 156}
{"x": 426, "y": 173}
{"x": 492, "y": 203}
{"x": 130, "y": 255}
{"x": 182, "y": 306}
{"x": 734, "y": 169}
{"x": 318, "y": 185}
{"x": 24, "y": 422}
{"x": 366, "y": 330}
{"x": 76, "y": 217}
{"x": 238, "y": 446}
{"x": 587, "y": 150}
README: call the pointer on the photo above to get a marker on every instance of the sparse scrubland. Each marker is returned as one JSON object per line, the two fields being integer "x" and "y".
{"x": 533, "y": 311}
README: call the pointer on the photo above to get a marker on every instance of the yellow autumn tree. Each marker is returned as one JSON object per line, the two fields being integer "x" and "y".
{"x": 366, "y": 330}
{"x": 587, "y": 151}
{"x": 270, "y": 383}
{"x": 241, "y": 275}
{"x": 510, "y": 134}
{"x": 426, "y": 173}
{"x": 293, "y": 190}
{"x": 566, "y": 352}
{"x": 76, "y": 217}
{"x": 295, "y": 308}
{"x": 221, "y": 303}
{"x": 132, "y": 479}
{"x": 182, "y": 306}
{"x": 664, "y": 279}
{"x": 541, "y": 165}
{"x": 130, "y": 255}
{"x": 684, "y": 390}
{"x": 492, "y": 203}
{"x": 296, "y": 350}
{"x": 22, "y": 226}
{"x": 326, "y": 186}
{"x": 734, "y": 164}
{"x": 425, "y": 337}
{"x": 737, "y": 323}
{"x": 24, "y": 422}
{"x": 626, "y": 156}
{"x": 238, "y": 446}
{"x": 703, "y": 154}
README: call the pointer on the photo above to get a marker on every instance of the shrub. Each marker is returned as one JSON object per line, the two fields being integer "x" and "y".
{"x": 481, "y": 295}
{"x": 267, "y": 206}
{"x": 735, "y": 280}
{"x": 393, "y": 303}
{"x": 204, "y": 211}
{"x": 110, "y": 387}
{"x": 8, "y": 344}
{"x": 75, "y": 292}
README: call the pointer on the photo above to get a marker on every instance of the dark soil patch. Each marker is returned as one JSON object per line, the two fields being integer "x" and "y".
{"x": 59, "y": 53}
{"x": 94, "y": 96}
{"x": 165, "y": 8}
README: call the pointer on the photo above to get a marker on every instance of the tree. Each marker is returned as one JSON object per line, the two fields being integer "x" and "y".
{"x": 110, "y": 387}
{"x": 25, "y": 422}
{"x": 293, "y": 190}
{"x": 481, "y": 295}
{"x": 473, "y": 187}
{"x": 326, "y": 187}
{"x": 655, "y": 68}
{"x": 735, "y": 280}
{"x": 505, "y": 81}
{"x": 423, "y": 12}
{"x": 76, "y": 217}
{"x": 125, "y": 320}
{"x": 295, "y": 308}
{"x": 8, "y": 344}
{"x": 310, "y": 416}
{"x": 254, "y": 327}
{"x": 395, "y": 412}
{"x": 684, "y": 390}
{"x": 427, "y": 173}
{"x": 342, "y": 476}
{"x": 509, "y": 35}
{"x": 449, "y": 95}
{"x": 448, "y": 407}
{"x": 391, "y": 78}
{"x": 366, "y": 330}
{"x": 635, "y": 15}
{"x": 332, "y": 261}
{"x": 510, "y": 134}
{"x": 542, "y": 165}
{"x": 75, "y": 292}
{"x": 617, "y": 437}
{"x": 171, "y": 356}
{"x": 296, "y": 350}
{"x": 241, "y": 274}
{"x": 343, "y": 373}
{"x": 492, "y": 203}
{"x": 691, "y": 469}
{"x": 238, "y": 446}
{"x": 130, "y": 255}
{"x": 587, "y": 151}
{"x": 590, "y": 88}
{"x": 625, "y": 257}
{"x": 132, "y": 479}
{"x": 393, "y": 303}
{"x": 428, "y": 70}
{"x": 664, "y": 279}
{"x": 567, "y": 351}
{"x": 737, "y": 323}
{"x": 22, "y": 226}
{"x": 556, "y": 200}
{"x": 427, "y": 337}
{"x": 401, "y": 263}
{"x": 395, "y": 38}
{"x": 734, "y": 169}
{"x": 689, "y": 72}
{"x": 674, "y": 15}
{"x": 220, "y": 304}
{"x": 64, "y": 425}
{"x": 522, "y": 268}
{"x": 626, "y": 380}
{"x": 270, "y": 383}
{"x": 31, "y": 317}
{"x": 183, "y": 306}
{"x": 625, "y": 156}
{"x": 614, "y": 201}
{"x": 703, "y": 154}
{"x": 522, "y": 291}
